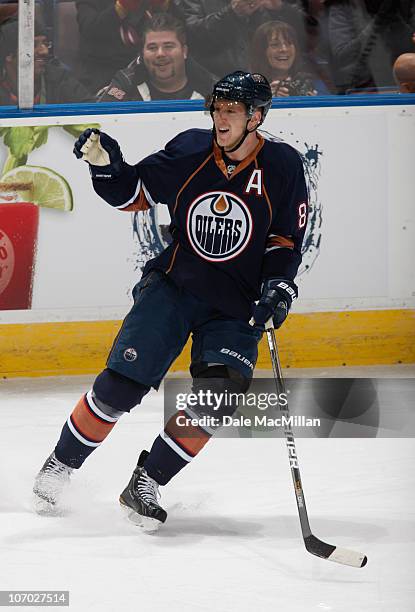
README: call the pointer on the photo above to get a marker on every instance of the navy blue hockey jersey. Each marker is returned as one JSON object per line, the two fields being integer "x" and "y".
{"x": 230, "y": 231}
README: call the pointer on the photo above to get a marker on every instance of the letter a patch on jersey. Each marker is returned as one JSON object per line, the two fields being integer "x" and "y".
{"x": 255, "y": 182}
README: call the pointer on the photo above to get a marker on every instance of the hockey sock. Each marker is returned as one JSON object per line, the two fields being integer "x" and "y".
{"x": 86, "y": 428}
{"x": 174, "y": 448}
{"x": 181, "y": 439}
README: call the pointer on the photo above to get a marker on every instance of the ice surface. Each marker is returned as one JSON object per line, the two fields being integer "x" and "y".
{"x": 232, "y": 540}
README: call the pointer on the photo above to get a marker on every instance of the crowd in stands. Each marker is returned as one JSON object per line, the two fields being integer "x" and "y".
{"x": 176, "y": 49}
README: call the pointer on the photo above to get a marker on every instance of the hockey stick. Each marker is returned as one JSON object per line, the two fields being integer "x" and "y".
{"x": 313, "y": 545}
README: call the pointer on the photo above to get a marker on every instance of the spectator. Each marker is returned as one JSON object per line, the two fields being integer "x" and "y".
{"x": 404, "y": 72}
{"x": 109, "y": 35}
{"x": 163, "y": 72}
{"x": 53, "y": 82}
{"x": 220, "y": 31}
{"x": 366, "y": 36}
{"x": 276, "y": 54}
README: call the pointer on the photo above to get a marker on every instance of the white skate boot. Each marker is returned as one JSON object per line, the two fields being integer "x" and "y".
{"x": 49, "y": 485}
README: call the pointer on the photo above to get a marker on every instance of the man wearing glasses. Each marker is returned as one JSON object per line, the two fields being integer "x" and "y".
{"x": 54, "y": 83}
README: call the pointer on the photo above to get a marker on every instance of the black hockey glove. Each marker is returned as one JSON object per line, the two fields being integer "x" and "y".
{"x": 275, "y": 303}
{"x": 101, "y": 152}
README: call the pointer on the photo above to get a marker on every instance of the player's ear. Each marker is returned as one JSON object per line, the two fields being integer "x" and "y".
{"x": 255, "y": 119}
{"x": 185, "y": 51}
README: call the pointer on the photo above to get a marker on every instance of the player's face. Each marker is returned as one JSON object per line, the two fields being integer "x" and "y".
{"x": 164, "y": 56}
{"x": 230, "y": 120}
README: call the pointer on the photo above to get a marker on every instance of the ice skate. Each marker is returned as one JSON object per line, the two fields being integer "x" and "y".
{"x": 49, "y": 485}
{"x": 139, "y": 499}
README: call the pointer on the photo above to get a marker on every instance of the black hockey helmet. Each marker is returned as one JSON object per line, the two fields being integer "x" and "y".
{"x": 252, "y": 89}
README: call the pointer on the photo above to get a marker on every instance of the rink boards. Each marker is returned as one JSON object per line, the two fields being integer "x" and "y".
{"x": 306, "y": 340}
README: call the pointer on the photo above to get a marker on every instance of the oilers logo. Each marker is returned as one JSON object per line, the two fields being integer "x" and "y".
{"x": 219, "y": 225}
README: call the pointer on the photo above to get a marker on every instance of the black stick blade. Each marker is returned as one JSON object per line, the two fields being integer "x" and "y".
{"x": 334, "y": 553}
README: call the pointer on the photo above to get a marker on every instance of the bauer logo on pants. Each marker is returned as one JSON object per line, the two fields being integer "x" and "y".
{"x": 219, "y": 226}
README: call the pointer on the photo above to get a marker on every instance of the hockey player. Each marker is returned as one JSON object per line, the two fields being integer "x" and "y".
{"x": 238, "y": 206}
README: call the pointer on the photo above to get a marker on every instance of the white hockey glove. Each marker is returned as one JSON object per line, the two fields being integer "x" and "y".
{"x": 101, "y": 152}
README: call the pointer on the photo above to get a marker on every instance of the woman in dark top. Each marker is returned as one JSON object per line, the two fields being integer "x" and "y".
{"x": 276, "y": 55}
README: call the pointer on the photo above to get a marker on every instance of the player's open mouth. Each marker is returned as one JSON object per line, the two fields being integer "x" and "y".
{"x": 223, "y": 130}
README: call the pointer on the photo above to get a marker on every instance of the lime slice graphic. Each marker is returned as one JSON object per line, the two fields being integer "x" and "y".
{"x": 44, "y": 187}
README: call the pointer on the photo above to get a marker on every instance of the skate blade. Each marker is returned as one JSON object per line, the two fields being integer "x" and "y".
{"x": 146, "y": 523}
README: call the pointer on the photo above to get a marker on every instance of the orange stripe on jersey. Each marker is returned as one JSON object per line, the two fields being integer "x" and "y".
{"x": 190, "y": 437}
{"x": 172, "y": 259}
{"x": 90, "y": 426}
{"x": 140, "y": 203}
{"x": 242, "y": 165}
{"x": 219, "y": 159}
{"x": 189, "y": 179}
{"x": 281, "y": 241}
{"x": 248, "y": 160}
